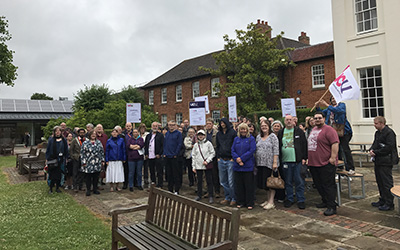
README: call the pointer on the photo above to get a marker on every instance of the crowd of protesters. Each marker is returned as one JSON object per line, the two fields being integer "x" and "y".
{"x": 239, "y": 157}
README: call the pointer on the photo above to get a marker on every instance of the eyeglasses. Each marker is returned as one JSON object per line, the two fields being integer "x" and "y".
{"x": 318, "y": 118}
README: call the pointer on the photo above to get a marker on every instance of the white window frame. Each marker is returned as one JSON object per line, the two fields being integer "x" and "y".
{"x": 164, "y": 120}
{"x": 366, "y": 17}
{"x": 151, "y": 97}
{"x": 178, "y": 91}
{"x": 216, "y": 115}
{"x": 164, "y": 95}
{"x": 196, "y": 89}
{"x": 178, "y": 118}
{"x": 371, "y": 87}
{"x": 318, "y": 76}
{"x": 214, "y": 90}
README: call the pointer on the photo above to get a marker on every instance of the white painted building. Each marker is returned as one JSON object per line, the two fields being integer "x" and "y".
{"x": 366, "y": 37}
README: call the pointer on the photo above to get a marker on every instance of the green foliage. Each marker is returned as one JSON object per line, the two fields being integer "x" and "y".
{"x": 33, "y": 219}
{"x": 48, "y": 129}
{"x": 277, "y": 114}
{"x": 130, "y": 95}
{"x": 250, "y": 62}
{"x": 113, "y": 113}
{"x": 148, "y": 116}
{"x": 41, "y": 96}
{"x": 92, "y": 98}
{"x": 8, "y": 71}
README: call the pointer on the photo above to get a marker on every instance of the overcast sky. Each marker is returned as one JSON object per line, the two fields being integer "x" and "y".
{"x": 60, "y": 46}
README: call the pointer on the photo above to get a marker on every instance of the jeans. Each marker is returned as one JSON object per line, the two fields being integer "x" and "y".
{"x": 135, "y": 167}
{"x": 292, "y": 174}
{"x": 226, "y": 178}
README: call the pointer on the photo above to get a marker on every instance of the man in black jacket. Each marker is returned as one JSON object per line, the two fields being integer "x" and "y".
{"x": 225, "y": 137}
{"x": 292, "y": 154}
{"x": 153, "y": 149}
{"x": 384, "y": 154}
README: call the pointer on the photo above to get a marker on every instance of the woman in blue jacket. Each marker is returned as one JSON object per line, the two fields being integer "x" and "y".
{"x": 115, "y": 156}
{"x": 243, "y": 149}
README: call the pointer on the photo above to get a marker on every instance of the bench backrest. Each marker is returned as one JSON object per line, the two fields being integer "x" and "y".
{"x": 33, "y": 151}
{"x": 197, "y": 223}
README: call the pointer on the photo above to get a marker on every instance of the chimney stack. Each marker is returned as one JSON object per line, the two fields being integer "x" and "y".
{"x": 264, "y": 27}
{"x": 303, "y": 38}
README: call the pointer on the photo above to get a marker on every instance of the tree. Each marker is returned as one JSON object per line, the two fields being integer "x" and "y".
{"x": 250, "y": 62}
{"x": 92, "y": 98}
{"x": 41, "y": 96}
{"x": 130, "y": 95}
{"x": 8, "y": 71}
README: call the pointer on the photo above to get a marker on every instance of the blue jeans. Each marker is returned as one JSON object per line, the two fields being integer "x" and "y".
{"x": 135, "y": 167}
{"x": 292, "y": 174}
{"x": 226, "y": 178}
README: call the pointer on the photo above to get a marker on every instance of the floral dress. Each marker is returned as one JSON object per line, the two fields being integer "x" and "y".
{"x": 92, "y": 155}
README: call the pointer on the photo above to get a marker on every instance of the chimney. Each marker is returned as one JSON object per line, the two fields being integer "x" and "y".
{"x": 264, "y": 27}
{"x": 303, "y": 38}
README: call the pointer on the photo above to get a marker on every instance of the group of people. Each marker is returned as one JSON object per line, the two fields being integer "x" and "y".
{"x": 234, "y": 156}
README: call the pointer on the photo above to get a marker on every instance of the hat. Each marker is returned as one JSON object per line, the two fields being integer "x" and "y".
{"x": 201, "y": 132}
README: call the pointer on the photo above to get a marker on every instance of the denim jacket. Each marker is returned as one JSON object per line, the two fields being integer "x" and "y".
{"x": 339, "y": 116}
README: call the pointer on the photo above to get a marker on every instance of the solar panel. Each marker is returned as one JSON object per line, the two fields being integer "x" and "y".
{"x": 34, "y": 106}
{"x": 7, "y": 105}
{"x": 58, "y": 107}
{"x": 46, "y": 106}
{"x": 21, "y": 106}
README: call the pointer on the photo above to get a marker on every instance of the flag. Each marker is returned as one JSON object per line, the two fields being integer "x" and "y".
{"x": 345, "y": 87}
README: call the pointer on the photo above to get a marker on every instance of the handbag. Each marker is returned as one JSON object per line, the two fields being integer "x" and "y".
{"x": 275, "y": 182}
{"x": 339, "y": 128}
{"x": 209, "y": 165}
{"x": 52, "y": 164}
{"x": 102, "y": 174}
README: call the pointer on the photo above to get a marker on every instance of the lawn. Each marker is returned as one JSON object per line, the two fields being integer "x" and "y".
{"x": 30, "y": 218}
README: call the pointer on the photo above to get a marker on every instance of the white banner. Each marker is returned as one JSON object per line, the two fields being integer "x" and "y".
{"x": 197, "y": 113}
{"x": 288, "y": 107}
{"x": 133, "y": 112}
{"x": 345, "y": 87}
{"x": 203, "y": 98}
{"x": 232, "y": 108}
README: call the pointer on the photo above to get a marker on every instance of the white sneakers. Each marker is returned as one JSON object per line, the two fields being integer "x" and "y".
{"x": 269, "y": 206}
{"x": 351, "y": 172}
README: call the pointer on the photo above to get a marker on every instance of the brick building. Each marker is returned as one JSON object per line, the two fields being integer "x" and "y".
{"x": 170, "y": 93}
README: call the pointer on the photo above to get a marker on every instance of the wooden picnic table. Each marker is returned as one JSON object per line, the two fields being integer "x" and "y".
{"x": 396, "y": 193}
{"x": 362, "y": 145}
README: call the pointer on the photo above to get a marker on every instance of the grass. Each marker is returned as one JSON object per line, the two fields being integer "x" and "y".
{"x": 30, "y": 218}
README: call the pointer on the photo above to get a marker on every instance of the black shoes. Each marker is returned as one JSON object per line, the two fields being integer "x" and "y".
{"x": 96, "y": 192}
{"x": 58, "y": 190}
{"x": 87, "y": 193}
{"x": 386, "y": 207}
{"x": 197, "y": 198}
{"x": 140, "y": 188}
{"x": 377, "y": 204}
{"x": 301, "y": 205}
{"x": 131, "y": 189}
{"x": 321, "y": 205}
{"x": 124, "y": 186}
{"x": 330, "y": 212}
{"x": 288, "y": 203}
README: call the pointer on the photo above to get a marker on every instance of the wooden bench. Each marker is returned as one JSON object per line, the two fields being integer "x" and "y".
{"x": 345, "y": 173}
{"x": 360, "y": 155}
{"x": 396, "y": 193}
{"x": 19, "y": 156}
{"x": 176, "y": 222}
{"x": 35, "y": 164}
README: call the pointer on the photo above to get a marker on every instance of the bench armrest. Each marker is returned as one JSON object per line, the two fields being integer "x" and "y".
{"x": 117, "y": 211}
{"x": 221, "y": 245}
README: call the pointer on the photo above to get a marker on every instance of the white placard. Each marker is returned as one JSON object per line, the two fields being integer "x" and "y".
{"x": 133, "y": 112}
{"x": 197, "y": 113}
{"x": 203, "y": 98}
{"x": 232, "y": 109}
{"x": 288, "y": 107}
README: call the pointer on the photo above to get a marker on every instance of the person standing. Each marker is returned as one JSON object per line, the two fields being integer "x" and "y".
{"x": 203, "y": 154}
{"x": 115, "y": 156}
{"x": 189, "y": 142}
{"x": 267, "y": 157}
{"x": 225, "y": 137}
{"x": 172, "y": 146}
{"x": 292, "y": 155}
{"x": 57, "y": 152}
{"x": 102, "y": 137}
{"x": 126, "y": 134}
{"x": 92, "y": 160}
{"x": 153, "y": 150}
{"x": 384, "y": 154}
{"x": 243, "y": 149}
{"x": 135, "y": 152}
{"x": 69, "y": 168}
{"x": 27, "y": 139}
{"x": 75, "y": 150}
{"x": 143, "y": 134}
{"x": 323, "y": 147}
{"x": 211, "y": 135}
{"x": 335, "y": 116}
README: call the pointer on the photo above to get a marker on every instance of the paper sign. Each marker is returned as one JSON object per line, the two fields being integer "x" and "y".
{"x": 133, "y": 112}
{"x": 203, "y": 98}
{"x": 197, "y": 113}
{"x": 288, "y": 107}
{"x": 232, "y": 108}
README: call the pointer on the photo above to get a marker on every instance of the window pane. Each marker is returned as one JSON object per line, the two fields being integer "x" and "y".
{"x": 366, "y": 113}
{"x": 373, "y": 113}
{"x": 363, "y": 83}
{"x": 379, "y": 92}
{"x": 366, "y": 15}
{"x": 362, "y": 73}
{"x": 371, "y": 82}
{"x": 372, "y": 3}
{"x": 365, "y": 4}
{"x": 380, "y": 102}
{"x": 371, "y": 92}
{"x": 367, "y": 25}
{"x": 381, "y": 112}
{"x": 366, "y": 103}
{"x": 370, "y": 72}
{"x": 372, "y": 103}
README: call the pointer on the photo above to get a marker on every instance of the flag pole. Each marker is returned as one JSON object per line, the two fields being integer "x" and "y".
{"x": 319, "y": 99}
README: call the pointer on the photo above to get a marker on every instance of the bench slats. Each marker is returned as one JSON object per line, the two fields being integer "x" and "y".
{"x": 196, "y": 225}
{"x": 177, "y": 218}
{"x": 200, "y": 232}
{"x": 207, "y": 233}
{"x": 227, "y": 225}
{"x": 214, "y": 223}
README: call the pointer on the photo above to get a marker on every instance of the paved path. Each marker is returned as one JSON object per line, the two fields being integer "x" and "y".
{"x": 357, "y": 225}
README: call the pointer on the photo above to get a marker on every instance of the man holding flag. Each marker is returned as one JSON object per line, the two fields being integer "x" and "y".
{"x": 344, "y": 87}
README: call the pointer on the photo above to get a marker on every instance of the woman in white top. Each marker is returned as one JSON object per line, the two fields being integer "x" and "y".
{"x": 202, "y": 156}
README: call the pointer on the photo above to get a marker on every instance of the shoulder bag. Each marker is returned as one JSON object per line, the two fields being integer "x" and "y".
{"x": 209, "y": 165}
{"x": 275, "y": 182}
